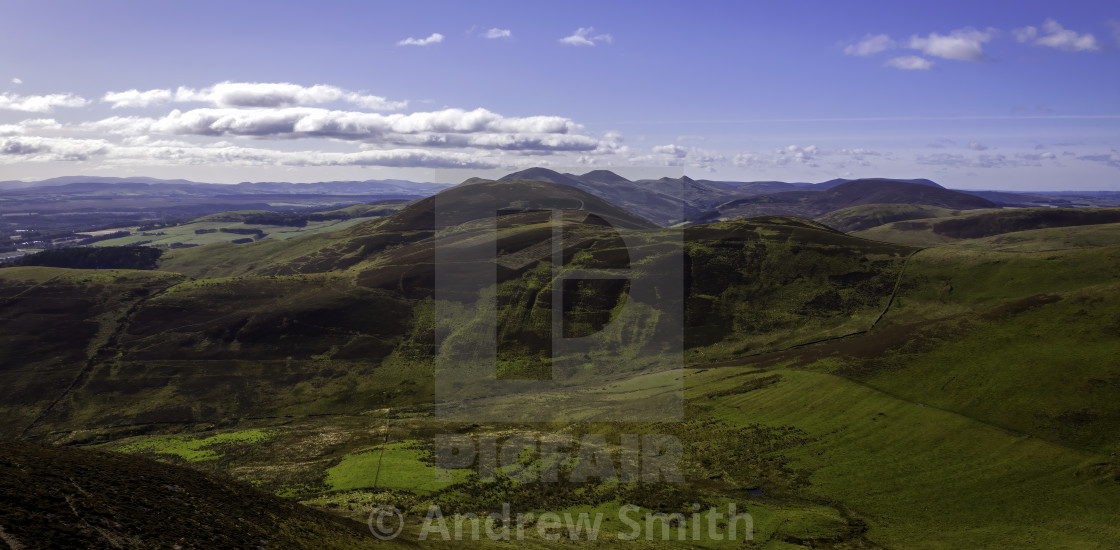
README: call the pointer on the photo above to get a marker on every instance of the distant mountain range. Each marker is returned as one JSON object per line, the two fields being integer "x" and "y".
{"x": 153, "y": 186}
{"x": 673, "y": 200}
{"x": 665, "y": 201}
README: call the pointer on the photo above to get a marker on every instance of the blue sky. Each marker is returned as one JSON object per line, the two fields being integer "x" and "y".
{"x": 996, "y": 95}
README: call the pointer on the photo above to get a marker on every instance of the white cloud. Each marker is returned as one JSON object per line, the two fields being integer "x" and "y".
{"x": 793, "y": 153}
{"x": 985, "y": 160}
{"x": 582, "y": 37}
{"x": 977, "y": 146}
{"x": 671, "y": 150}
{"x": 434, "y": 38}
{"x": 136, "y": 98}
{"x": 525, "y": 142}
{"x": 40, "y": 103}
{"x": 1058, "y": 37}
{"x": 117, "y": 125}
{"x": 252, "y": 94}
{"x": 676, "y": 155}
{"x": 23, "y": 126}
{"x": 859, "y": 156}
{"x": 441, "y": 129}
{"x": 833, "y": 160}
{"x": 870, "y": 45}
{"x": 148, "y": 153}
{"x": 375, "y": 102}
{"x": 17, "y": 81}
{"x": 1109, "y": 159}
{"x": 909, "y": 63}
{"x": 498, "y": 33}
{"x": 271, "y": 95}
{"x": 1036, "y": 156}
{"x": 43, "y": 149}
{"x": 778, "y": 157}
{"x": 271, "y": 112}
{"x": 962, "y": 44}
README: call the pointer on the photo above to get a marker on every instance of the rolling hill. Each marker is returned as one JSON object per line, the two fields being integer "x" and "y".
{"x": 965, "y": 225}
{"x": 866, "y": 216}
{"x": 811, "y": 204}
{"x": 262, "y": 317}
{"x": 849, "y": 392}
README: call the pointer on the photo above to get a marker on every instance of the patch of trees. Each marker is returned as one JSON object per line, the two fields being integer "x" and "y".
{"x": 204, "y": 231}
{"x": 106, "y": 257}
{"x": 998, "y": 223}
{"x": 105, "y": 237}
{"x": 242, "y": 241}
{"x": 276, "y": 218}
{"x": 325, "y": 216}
{"x": 242, "y": 231}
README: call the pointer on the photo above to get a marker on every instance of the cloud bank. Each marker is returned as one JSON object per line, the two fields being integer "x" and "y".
{"x": 40, "y": 103}
{"x": 1054, "y": 35}
{"x": 251, "y": 94}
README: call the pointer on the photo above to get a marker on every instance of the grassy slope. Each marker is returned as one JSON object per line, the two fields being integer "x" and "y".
{"x": 945, "y": 465}
{"x": 54, "y": 497}
{"x": 211, "y": 350}
{"x": 53, "y": 325}
{"x": 992, "y": 422}
{"x": 928, "y": 478}
{"x": 866, "y": 216}
{"x": 185, "y": 234}
{"x": 976, "y": 225}
{"x": 1026, "y": 340}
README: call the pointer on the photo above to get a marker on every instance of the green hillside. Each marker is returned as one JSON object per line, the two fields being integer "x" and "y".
{"x": 976, "y": 225}
{"x": 866, "y": 216}
{"x": 847, "y": 392}
{"x": 245, "y": 226}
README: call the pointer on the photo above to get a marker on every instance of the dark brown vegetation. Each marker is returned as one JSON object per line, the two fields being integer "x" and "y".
{"x": 57, "y": 497}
